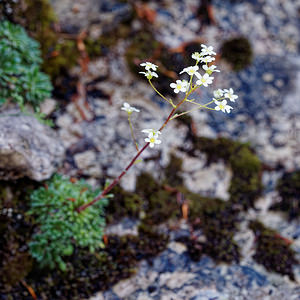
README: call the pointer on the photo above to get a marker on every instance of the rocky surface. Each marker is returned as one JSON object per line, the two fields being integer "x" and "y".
{"x": 28, "y": 148}
{"x": 173, "y": 275}
{"x": 266, "y": 114}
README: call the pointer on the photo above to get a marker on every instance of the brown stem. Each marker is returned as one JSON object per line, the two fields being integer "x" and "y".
{"x": 117, "y": 179}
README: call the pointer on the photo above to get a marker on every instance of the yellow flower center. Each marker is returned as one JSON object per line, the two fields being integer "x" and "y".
{"x": 178, "y": 86}
{"x": 152, "y": 140}
{"x": 221, "y": 106}
{"x": 203, "y": 80}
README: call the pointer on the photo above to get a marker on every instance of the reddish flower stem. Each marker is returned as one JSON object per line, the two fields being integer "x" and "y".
{"x": 117, "y": 179}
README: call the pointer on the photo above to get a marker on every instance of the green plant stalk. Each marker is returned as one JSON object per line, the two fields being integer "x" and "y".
{"x": 168, "y": 100}
{"x": 117, "y": 179}
{"x": 132, "y": 134}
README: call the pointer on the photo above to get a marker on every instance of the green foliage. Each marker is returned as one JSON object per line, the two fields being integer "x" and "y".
{"x": 273, "y": 251}
{"x": 238, "y": 52}
{"x": 20, "y": 78}
{"x": 62, "y": 228}
{"x": 289, "y": 190}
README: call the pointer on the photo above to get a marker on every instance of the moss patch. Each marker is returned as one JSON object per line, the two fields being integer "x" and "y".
{"x": 60, "y": 53}
{"x": 87, "y": 273}
{"x": 273, "y": 251}
{"x": 151, "y": 199}
{"x": 91, "y": 273}
{"x": 219, "y": 222}
{"x": 142, "y": 47}
{"x": 245, "y": 186}
{"x": 15, "y": 231}
{"x": 160, "y": 204}
{"x": 238, "y": 52}
{"x": 173, "y": 171}
{"x": 289, "y": 190}
{"x": 100, "y": 46}
{"x": 123, "y": 204}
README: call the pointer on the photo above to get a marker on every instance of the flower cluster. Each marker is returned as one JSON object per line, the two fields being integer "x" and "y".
{"x": 222, "y": 104}
{"x": 205, "y": 57}
{"x": 148, "y": 67}
{"x": 220, "y": 100}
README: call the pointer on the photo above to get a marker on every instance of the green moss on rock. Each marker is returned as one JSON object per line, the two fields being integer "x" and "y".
{"x": 219, "y": 222}
{"x": 289, "y": 190}
{"x": 142, "y": 47}
{"x": 15, "y": 231}
{"x": 146, "y": 185}
{"x": 245, "y": 186}
{"x": 123, "y": 204}
{"x": 160, "y": 204}
{"x": 173, "y": 171}
{"x": 238, "y": 52}
{"x": 90, "y": 273}
{"x": 60, "y": 56}
{"x": 150, "y": 242}
{"x": 273, "y": 251}
{"x": 100, "y": 46}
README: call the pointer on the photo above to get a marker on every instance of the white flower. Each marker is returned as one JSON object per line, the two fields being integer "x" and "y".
{"x": 197, "y": 56}
{"x": 222, "y": 105}
{"x": 218, "y": 93}
{"x": 152, "y": 139}
{"x": 190, "y": 70}
{"x": 149, "y": 74}
{"x": 210, "y": 69}
{"x": 207, "y": 50}
{"x": 229, "y": 94}
{"x": 148, "y": 131}
{"x": 204, "y": 80}
{"x": 129, "y": 108}
{"x": 179, "y": 86}
{"x": 207, "y": 59}
{"x": 148, "y": 66}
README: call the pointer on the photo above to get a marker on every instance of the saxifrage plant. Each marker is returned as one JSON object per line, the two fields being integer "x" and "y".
{"x": 21, "y": 80}
{"x": 60, "y": 227}
{"x": 204, "y": 60}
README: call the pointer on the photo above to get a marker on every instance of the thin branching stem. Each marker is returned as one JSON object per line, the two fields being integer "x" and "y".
{"x": 117, "y": 179}
{"x": 168, "y": 100}
{"x": 132, "y": 134}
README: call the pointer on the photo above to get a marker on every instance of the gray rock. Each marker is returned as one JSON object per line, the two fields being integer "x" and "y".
{"x": 27, "y": 148}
